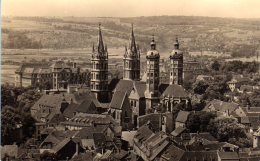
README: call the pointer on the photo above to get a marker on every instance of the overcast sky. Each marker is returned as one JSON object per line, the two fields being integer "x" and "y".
{"x": 132, "y": 8}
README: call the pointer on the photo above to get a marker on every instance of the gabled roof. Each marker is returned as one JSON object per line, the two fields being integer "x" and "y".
{"x": 88, "y": 156}
{"x": 143, "y": 133}
{"x": 221, "y": 106}
{"x": 50, "y": 139}
{"x": 252, "y": 120}
{"x": 178, "y": 131}
{"x": 56, "y": 118}
{"x": 173, "y": 153}
{"x": 120, "y": 155}
{"x": 87, "y": 106}
{"x": 182, "y": 116}
{"x": 59, "y": 64}
{"x": 60, "y": 145}
{"x": 200, "y": 155}
{"x": 228, "y": 155}
{"x": 175, "y": 91}
{"x": 204, "y": 135}
{"x": 88, "y": 119}
{"x": 118, "y": 100}
{"x": 124, "y": 86}
{"x": 99, "y": 139}
{"x": 87, "y": 132}
{"x": 69, "y": 111}
{"x": 139, "y": 88}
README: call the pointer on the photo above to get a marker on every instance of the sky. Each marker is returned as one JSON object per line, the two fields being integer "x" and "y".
{"x": 132, "y": 8}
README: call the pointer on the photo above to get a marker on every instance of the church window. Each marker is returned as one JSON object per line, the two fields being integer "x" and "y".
{"x": 134, "y": 103}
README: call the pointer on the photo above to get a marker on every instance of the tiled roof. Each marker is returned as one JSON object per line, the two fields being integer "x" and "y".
{"x": 252, "y": 120}
{"x": 87, "y": 106}
{"x": 175, "y": 91}
{"x": 91, "y": 118}
{"x": 228, "y": 155}
{"x": 128, "y": 136}
{"x": 173, "y": 153}
{"x": 182, "y": 116}
{"x": 59, "y": 64}
{"x": 50, "y": 138}
{"x": 60, "y": 145}
{"x": 118, "y": 100}
{"x": 88, "y": 156}
{"x": 56, "y": 118}
{"x": 99, "y": 139}
{"x": 69, "y": 111}
{"x": 122, "y": 154}
{"x": 200, "y": 155}
{"x": 87, "y": 143}
{"x": 124, "y": 86}
{"x": 153, "y": 118}
{"x": 178, "y": 131}
{"x": 140, "y": 88}
{"x": 143, "y": 133}
{"x": 204, "y": 135}
{"x": 222, "y": 106}
{"x": 87, "y": 132}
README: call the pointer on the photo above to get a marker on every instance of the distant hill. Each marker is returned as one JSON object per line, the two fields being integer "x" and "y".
{"x": 241, "y": 37}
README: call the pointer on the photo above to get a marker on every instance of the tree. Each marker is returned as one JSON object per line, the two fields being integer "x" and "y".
{"x": 198, "y": 121}
{"x": 228, "y": 129}
{"x": 200, "y": 87}
{"x": 215, "y": 65}
{"x": 13, "y": 120}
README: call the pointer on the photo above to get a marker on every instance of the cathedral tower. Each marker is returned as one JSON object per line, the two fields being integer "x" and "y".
{"x": 176, "y": 68}
{"x": 99, "y": 72}
{"x": 132, "y": 60}
{"x": 153, "y": 77}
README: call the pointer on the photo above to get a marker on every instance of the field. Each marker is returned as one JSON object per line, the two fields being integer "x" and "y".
{"x": 29, "y": 39}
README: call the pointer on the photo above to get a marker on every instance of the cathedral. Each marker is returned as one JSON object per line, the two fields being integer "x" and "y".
{"x": 132, "y": 97}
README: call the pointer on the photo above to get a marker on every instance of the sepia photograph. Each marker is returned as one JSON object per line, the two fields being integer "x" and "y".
{"x": 130, "y": 80}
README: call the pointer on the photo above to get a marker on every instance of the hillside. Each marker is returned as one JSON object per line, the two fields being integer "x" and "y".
{"x": 238, "y": 36}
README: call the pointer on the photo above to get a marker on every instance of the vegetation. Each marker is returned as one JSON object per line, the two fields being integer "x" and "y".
{"x": 229, "y": 130}
{"x": 198, "y": 121}
{"x": 16, "y": 117}
{"x": 81, "y": 32}
{"x": 16, "y": 126}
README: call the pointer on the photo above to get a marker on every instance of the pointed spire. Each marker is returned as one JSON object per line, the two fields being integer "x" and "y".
{"x": 93, "y": 48}
{"x": 105, "y": 47}
{"x": 132, "y": 41}
{"x": 176, "y": 44}
{"x": 126, "y": 48}
{"x": 100, "y": 45}
{"x": 153, "y": 45}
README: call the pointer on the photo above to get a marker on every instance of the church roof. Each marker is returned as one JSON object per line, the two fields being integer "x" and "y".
{"x": 175, "y": 91}
{"x": 124, "y": 86}
{"x": 182, "y": 116}
{"x": 118, "y": 100}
